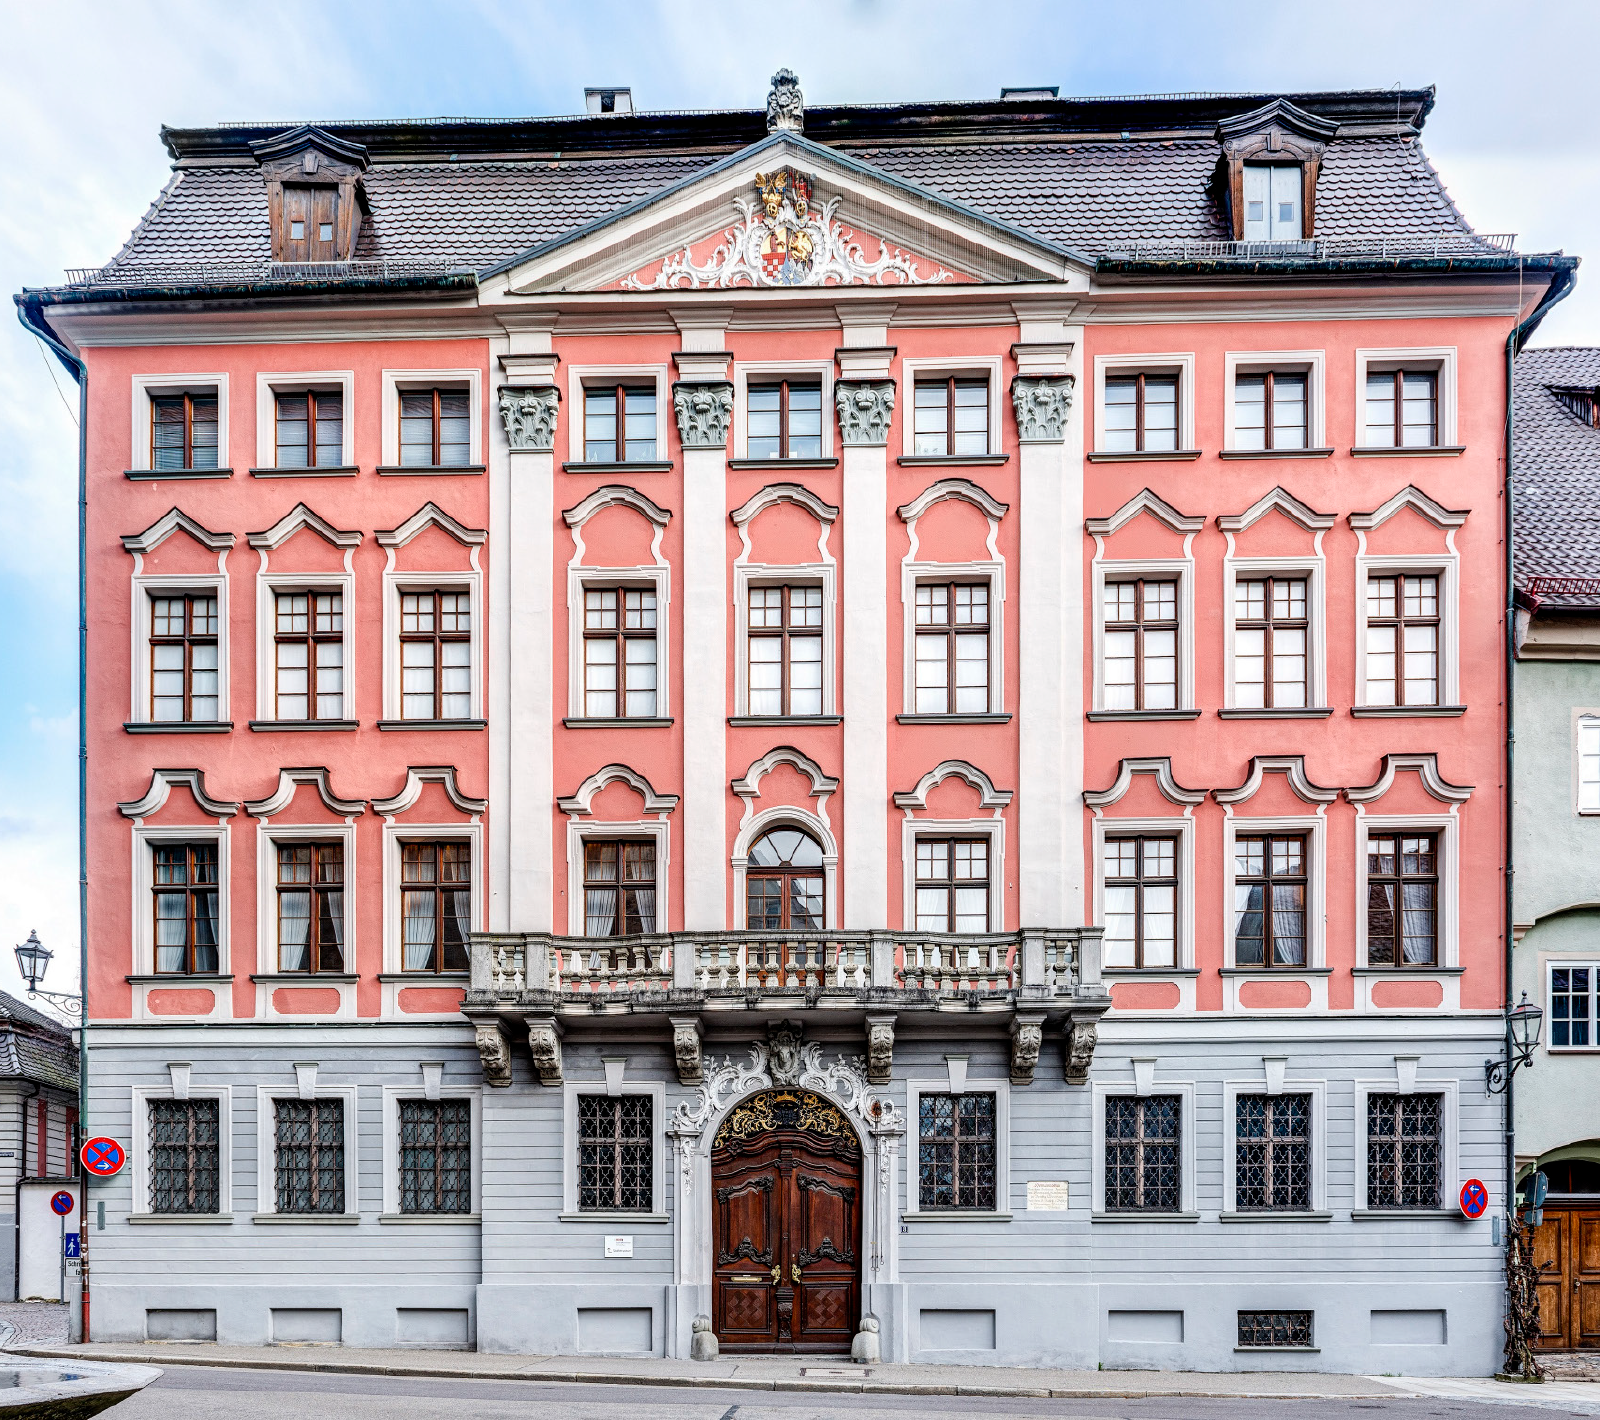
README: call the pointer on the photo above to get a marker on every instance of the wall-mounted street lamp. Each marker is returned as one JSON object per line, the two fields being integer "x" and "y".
{"x": 33, "y": 960}
{"x": 1522, "y": 1039}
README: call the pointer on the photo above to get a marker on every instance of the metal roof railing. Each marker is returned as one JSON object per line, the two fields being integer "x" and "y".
{"x": 231, "y": 273}
{"x": 1563, "y": 586}
{"x": 1449, "y": 244}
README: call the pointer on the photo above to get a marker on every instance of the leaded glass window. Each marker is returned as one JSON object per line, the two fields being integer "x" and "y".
{"x": 185, "y": 1156}
{"x": 615, "y": 1163}
{"x": 956, "y": 1151}
{"x": 1144, "y": 1169}
{"x": 1404, "y": 1150}
{"x": 1272, "y": 1153}
{"x": 436, "y": 1156}
{"x": 310, "y": 1158}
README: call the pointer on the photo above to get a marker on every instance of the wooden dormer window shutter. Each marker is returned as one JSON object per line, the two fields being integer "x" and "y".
{"x": 314, "y": 197}
{"x": 1271, "y": 159}
{"x": 309, "y": 217}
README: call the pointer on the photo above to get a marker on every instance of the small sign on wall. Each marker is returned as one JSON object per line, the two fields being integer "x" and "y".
{"x": 619, "y": 1247}
{"x": 1047, "y": 1195}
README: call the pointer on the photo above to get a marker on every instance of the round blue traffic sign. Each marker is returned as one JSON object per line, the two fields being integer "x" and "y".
{"x": 62, "y": 1203}
{"x": 1474, "y": 1198}
{"x": 103, "y": 1157}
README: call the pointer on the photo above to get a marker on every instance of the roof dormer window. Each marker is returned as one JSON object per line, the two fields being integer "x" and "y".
{"x": 1272, "y": 202}
{"x": 1271, "y": 159}
{"x": 314, "y": 197}
{"x": 1584, "y": 403}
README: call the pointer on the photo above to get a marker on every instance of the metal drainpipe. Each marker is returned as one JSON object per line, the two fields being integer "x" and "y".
{"x": 16, "y": 1202}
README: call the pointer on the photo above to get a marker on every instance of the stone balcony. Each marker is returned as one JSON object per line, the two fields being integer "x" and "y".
{"x": 1024, "y": 982}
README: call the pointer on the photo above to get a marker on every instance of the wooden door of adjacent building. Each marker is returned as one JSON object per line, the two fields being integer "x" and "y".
{"x": 786, "y": 1226}
{"x": 1567, "y": 1245}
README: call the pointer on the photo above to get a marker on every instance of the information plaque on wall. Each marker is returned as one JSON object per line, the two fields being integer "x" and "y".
{"x": 1047, "y": 1195}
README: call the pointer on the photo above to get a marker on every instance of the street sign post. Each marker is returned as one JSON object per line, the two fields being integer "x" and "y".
{"x": 69, "y": 1245}
{"x": 102, "y": 1157}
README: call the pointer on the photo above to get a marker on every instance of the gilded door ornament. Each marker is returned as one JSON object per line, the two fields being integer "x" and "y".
{"x": 786, "y": 1109}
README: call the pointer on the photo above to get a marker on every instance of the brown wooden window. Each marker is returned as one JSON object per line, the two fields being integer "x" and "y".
{"x": 784, "y": 882}
{"x": 436, "y": 1156}
{"x": 309, "y": 430}
{"x": 615, "y": 1154}
{"x": 1403, "y": 640}
{"x": 1402, "y": 899}
{"x": 951, "y": 417}
{"x": 1270, "y": 630}
{"x": 183, "y": 658}
{"x": 1141, "y": 901}
{"x": 1269, "y": 900}
{"x": 1141, "y": 645}
{"x": 435, "y": 906}
{"x": 956, "y": 1159}
{"x": 619, "y": 652}
{"x": 183, "y": 432}
{"x": 308, "y": 223}
{"x": 1144, "y": 1159}
{"x": 308, "y": 650}
{"x": 951, "y": 656}
{"x": 619, "y": 424}
{"x": 785, "y": 668}
{"x": 1402, "y": 409}
{"x": 185, "y": 895}
{"x": 619, "y": 887}
{"x": 311, "y": 907}
{"x": 1141, "y": 413}
{"x": 309, "y": 1167}
{"x": 1270, "y": 411}
{"x": 1272, "y": 1153}
{"x": 435, "y": 428}
{"x": 785, "y": 420}
{"x": 435, "y": 655}
{"x": 1405, "y": 1146}
{"x": 952, "y": 885}
{"x": 185, "y": 1156}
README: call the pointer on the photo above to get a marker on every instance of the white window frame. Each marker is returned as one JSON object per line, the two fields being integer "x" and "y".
{"x": 1448, "y": 828}
{"x": 1310, "y": 363}
{"x": 1001, "y": 1090}
{"x": 148, "y": 387}
{"x": 394, "y": 381}
{"x": 912, "y": 574}
{"x": 267, "y": 1150}
{"x": 1250, "y": 569}
{"x": 268, "y": 836}
{"x": 395, "y": 584}
{"x": 994, "y": 829}
{"x": 268, "y": 585}
{"x": 965, "y": 367}
{"x": 579, "y": 579}
{"x": 1585, "y": 722}
{"x": 1104, "y": 1090}
{"x": 1449, "y": 1144}
{"x": 579, "y": 377}
{"x": 581, "y": 829}
{"x": 1179, "y": 569}
{"x": 656, "y": 1092}
{"x": 1318, "y": 1090}
{"x": 767, "y": 372}
{"x": 1179, "y": 826}
{"x": 1314, "y": 828}
{"x": 807, "y": 822}
{"x": 1180, "y": 363}
{"x": 148, "y": 585}
{"x": 392, "y": 1095}
{"x": 140, "y": 1119}
{"x": 747, "y": 575}
{"x": 269, "y": 386}
{"x": 1446, "y": 566}
{"x": 1441, "y": 359}
{"x": 394, "y": 834}
{"x": 145, "y": 839}
{"x": 1559, "y": 963}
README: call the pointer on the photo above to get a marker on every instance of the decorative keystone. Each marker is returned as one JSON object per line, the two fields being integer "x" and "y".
{"x": 529, "y": 416}
{"x": 705, "y": 413}
{"x": 1041, "y": 406}
{"x": 864, "y": 410}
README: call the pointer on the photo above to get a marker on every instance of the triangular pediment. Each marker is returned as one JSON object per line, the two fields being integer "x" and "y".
{"x": 785, "y": 213}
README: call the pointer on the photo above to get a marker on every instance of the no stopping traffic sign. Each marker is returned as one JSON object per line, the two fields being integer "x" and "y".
{"x": 102, "y": 1157}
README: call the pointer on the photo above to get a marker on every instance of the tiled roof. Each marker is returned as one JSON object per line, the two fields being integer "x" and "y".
{"x": 1556, "y": 469}
{"x": 35, "y": 1047}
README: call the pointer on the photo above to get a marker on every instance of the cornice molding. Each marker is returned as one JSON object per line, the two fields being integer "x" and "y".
{"x": 1408, "y": 497}
{"x": 430, "y": 515}
{"x": 290, "y": 780}
{"x": 175, "y": 520}
{"x": 1426, "y": 768}
{"x": 615, "y": 495}
{"x": 961, "y": 488}
{"x": 1160, "y": 768}
{"x": 988, "y": 796}
{"x": 418, "y": 775}
{"x": 774, "y": 493}
{"x": 299, "y": 517}
{"x": 1282, "y": 501}
{"x": 164, "y": 781}
{"x": 748, "y": 785}
{"x": 1291, "y": 766}
{"x": 578, "y": 803}
{"x": 1144, "y": 501}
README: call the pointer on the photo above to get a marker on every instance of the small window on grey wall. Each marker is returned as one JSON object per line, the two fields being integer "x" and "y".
{"x": 185, "y": 1156}
{"x": 956, "y": 1151}
{"x": 1274, "y": 1329}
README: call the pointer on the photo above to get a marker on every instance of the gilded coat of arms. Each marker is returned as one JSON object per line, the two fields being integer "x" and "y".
{"x": 787, "y": 247}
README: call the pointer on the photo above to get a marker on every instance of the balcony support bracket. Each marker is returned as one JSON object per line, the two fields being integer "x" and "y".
{"x": 880, "y": 1049}
{"x": 686, "y": 1050}
{"x": 544, "y": 1045}
{"x": 495, "y": 1051}
{"x": 1027, "y": 1036}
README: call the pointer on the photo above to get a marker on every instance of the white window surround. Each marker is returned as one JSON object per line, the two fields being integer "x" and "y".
{"x": 1439, "y": 358}
{"x": 1314, "y": 829}
{"x": 1104, "y": 1090}
{"x": 1312, "y": 569}
{"x": 144, "y": 840}
{"x": 1311, "y": 363}
{"x": 1179, "y": 363}
{"x": 392, "y": 1095}
{"x": 1551, "y": 964}
{"x": 146, "y": 587}
{"x": 268, "y": 585}
{"x": 267, "y": 1148}
{"x": 1586, "y": 744}
{"x": 746, "y": 372}
{"x": 1168, "y": 569}
{"x": 994, "y": 829}
{"x": 394, "y": 834}
{"x": 656, "y": 1092}
{"x": 914, "y": 573}
{"x": 1448, "y": 827}
{"x": 395, "y": 584}
{"x": 396, "y": 380}
{"x": 579, "y": 829}
{"x": 1446, "y": 566}
{"x": 140, "y": 1121}
{"x": 755, "y": 574}
{"x": 1001, "y": 1090}
{"x": 781, "y": 815}
{"x": 269, "y": 386}
{"x": 579, "y": 579}
{"x": 268, "y": 836}
{"x": 147, "y": 387}
{"x": 1179, "y": 826}
{"x": 1449, "y": 1148}
{"x": 961, "y": 367}
{"x": 1318, "y": 1090}
{"x": 580, "y": 376}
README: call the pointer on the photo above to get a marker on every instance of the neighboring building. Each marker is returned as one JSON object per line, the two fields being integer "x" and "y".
{"x": 1556, "y": 442}
{"x": 793, "y": 715}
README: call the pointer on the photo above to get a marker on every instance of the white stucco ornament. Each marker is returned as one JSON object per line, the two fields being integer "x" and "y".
{"x": 844, "y": 1081}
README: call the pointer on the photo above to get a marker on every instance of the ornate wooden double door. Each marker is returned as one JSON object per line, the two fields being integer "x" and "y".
{"x": 786, "y": 1225}
{"x": 1568, "y": 1243}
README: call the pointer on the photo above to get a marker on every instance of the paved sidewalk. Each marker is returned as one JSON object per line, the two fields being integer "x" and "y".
{"x": 1570, "y": 1397}
{"x": 41, "y": 1323}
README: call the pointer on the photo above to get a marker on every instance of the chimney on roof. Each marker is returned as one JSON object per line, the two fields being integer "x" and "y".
{"x": 608, "y": 100}
{"x": 1037, "y": 91}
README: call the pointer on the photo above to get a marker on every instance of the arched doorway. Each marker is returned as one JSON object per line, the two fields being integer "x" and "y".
{"x": 1567, "y": 1248}
{"x": 786, "y": 1225}
{"x": 784, "y": 882}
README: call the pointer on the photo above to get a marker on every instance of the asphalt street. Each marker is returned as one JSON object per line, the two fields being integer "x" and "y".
{"x": 185, "y": 1391}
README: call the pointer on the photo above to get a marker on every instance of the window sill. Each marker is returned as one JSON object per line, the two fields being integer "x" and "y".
{"x": 1270, "y": 972}
{"x": 1277, "y": 1350}
{"x": 305, "y": 724}
{"x": 954, "y": 460}
{"x": 152, "y": 475}
{"x": 1437, "y": 451}
{"x": 1143, "y": 455}
{"x": 1272, "y": 712}
{"x": 433, "y": 724}
{"x": 141, "y": 1218}
{"x": 318, "y": 1219}
{"x": 955, "y": 1215}
{"x": 341, "y": 471}
{"x": 770, "y": 465}
{"x": 639, "y": 466}
{"x": 1424, "y": 971}
{"x": 422, "y": 1219}
{"x": 1275, "y": 1215}
{"x": 616, "y": 722}
{"x": 1143, "y": 715}
{"x": 178, "y": 727}
{"x": 748, "y": 721}
{"x": 1373, "y": 1215}
{"x": 1149, "y": 973}
{"x": 425, "y": 978}
{"x": 305, "y": 978}
{"x": 614, "y": 1217}
{"x": 1144, "y": 1217}
{"x": 1396, "y": 711}
{"x": 175, "y": 978}
{"x": 397, "y": 470}
{"x": 953, "y": 719}
{"x": 1274, "y": 453}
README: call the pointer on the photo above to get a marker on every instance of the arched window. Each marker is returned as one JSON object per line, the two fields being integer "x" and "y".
{"x": 783, "y": 887}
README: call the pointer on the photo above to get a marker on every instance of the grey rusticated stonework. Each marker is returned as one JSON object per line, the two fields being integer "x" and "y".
{"x": 1041, "y": 405}
{"x": 705, "y": 413}
{"x": 864, "y": 408}
{"x": 529, "y": 415}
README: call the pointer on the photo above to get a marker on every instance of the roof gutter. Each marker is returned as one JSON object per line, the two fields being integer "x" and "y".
{"x": 450, "y": 284}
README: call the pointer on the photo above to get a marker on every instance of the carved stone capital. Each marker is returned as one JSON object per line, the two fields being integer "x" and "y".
{"x": 1041, "y": 405}
{"x": 705, "y": 413}
{"x": 1027, "y": 1036}
{"x": 529, "y": 416}
{"x": 864, "y": 409}
{"x": 1082, "y": 1036}
{"x": 686, "y": 1050}
{"x": 495, "y": 1051}
{"x": 544, "y": 1045}
{"x": 880, "y": 1049}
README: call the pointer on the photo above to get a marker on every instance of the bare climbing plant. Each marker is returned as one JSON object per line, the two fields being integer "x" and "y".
{"x": 1522, "y": 1303}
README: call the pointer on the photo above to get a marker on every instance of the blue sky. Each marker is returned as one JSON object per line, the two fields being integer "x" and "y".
{"x": 89, "y": 85}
